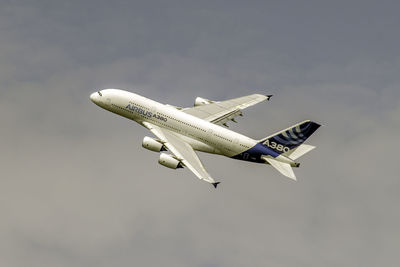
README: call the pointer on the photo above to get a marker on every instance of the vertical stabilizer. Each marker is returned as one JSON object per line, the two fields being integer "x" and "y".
{"x": 285, "y": 141}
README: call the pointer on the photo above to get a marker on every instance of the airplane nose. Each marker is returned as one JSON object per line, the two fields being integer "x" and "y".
{"x": 93, "y": 97}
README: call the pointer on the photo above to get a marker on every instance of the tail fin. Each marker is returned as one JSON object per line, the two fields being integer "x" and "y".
{"x": 286, "y": 141}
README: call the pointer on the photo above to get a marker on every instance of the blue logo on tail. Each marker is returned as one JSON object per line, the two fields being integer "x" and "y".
{"x": 292, "y": 137}
{"x": 280, "y": 143}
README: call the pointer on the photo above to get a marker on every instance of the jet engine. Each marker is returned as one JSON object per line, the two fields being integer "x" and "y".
{"x": 199, "y": 101}
{"x": 152, "y": 144}
{"x": 169, "y": 161}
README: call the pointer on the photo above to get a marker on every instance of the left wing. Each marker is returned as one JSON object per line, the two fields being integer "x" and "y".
{"x": 182, "y": 151}
{"x": 223, "y": 111}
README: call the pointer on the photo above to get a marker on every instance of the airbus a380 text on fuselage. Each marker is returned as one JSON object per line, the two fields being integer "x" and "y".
{"x": 182, "y": 131}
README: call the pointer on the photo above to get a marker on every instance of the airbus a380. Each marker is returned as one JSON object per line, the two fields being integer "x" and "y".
{"x": 182, "y": 131}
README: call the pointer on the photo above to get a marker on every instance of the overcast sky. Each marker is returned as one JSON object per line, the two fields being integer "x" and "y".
{"x": 77, "y": 189}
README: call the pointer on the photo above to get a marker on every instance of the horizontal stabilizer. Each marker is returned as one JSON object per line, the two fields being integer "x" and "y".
{"x": 282, "y": 167}
{"x": 299, "y": 151}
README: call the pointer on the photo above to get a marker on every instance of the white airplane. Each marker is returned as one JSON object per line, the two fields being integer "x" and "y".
{"x": 183, "y": 131}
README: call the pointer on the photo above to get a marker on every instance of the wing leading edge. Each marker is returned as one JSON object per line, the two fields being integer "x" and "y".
{"x": 182, "y": 151}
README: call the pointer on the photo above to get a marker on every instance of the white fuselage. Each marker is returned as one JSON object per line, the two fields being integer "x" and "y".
{"x": 200, "y": 134}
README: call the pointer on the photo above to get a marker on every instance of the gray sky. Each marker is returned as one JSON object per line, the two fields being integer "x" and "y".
{"x": 77, "y": 189}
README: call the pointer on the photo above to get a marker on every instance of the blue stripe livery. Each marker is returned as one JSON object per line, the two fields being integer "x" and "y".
{"x": 254, "y": 154}
{"x": 281, "y": 142}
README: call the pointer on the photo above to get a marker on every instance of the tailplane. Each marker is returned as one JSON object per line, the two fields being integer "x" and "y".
{"x": 298, "y": 151}
{"x": 287, "y": 145}
{"x": 283, "y": 167}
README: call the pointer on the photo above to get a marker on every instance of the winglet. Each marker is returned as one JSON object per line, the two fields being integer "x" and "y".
{"x": 269, "y": 96}
{"x": 215, "y": 184}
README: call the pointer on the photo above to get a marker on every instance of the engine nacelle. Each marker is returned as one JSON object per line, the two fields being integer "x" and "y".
{"x": 153, "y": 145}
{"x": 199, "y": 101}
{"x": 169, "y": 161}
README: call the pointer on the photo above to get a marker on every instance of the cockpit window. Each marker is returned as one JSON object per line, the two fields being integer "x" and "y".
{"x": 99, "y": 93}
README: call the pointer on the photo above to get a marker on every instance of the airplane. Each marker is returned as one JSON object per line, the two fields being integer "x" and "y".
{"x": 203, "y": 127}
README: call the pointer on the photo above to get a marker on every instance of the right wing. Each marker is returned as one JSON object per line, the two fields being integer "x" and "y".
{"x": 223, "y": 111}
{"x": 182, "y": 151}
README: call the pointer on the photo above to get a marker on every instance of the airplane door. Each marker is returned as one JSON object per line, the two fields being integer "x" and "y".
{"x": 209, "y": 135}
{"x": 108, "y": 102}
{"x": 153, "y": 111}
{"x": 236, "y": 142}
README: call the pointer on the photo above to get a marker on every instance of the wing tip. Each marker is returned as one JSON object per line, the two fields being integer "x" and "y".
{"x": 215, "y": 184}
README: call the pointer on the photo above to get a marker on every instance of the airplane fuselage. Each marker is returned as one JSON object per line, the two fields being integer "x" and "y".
{"x": 181, "y": 131}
